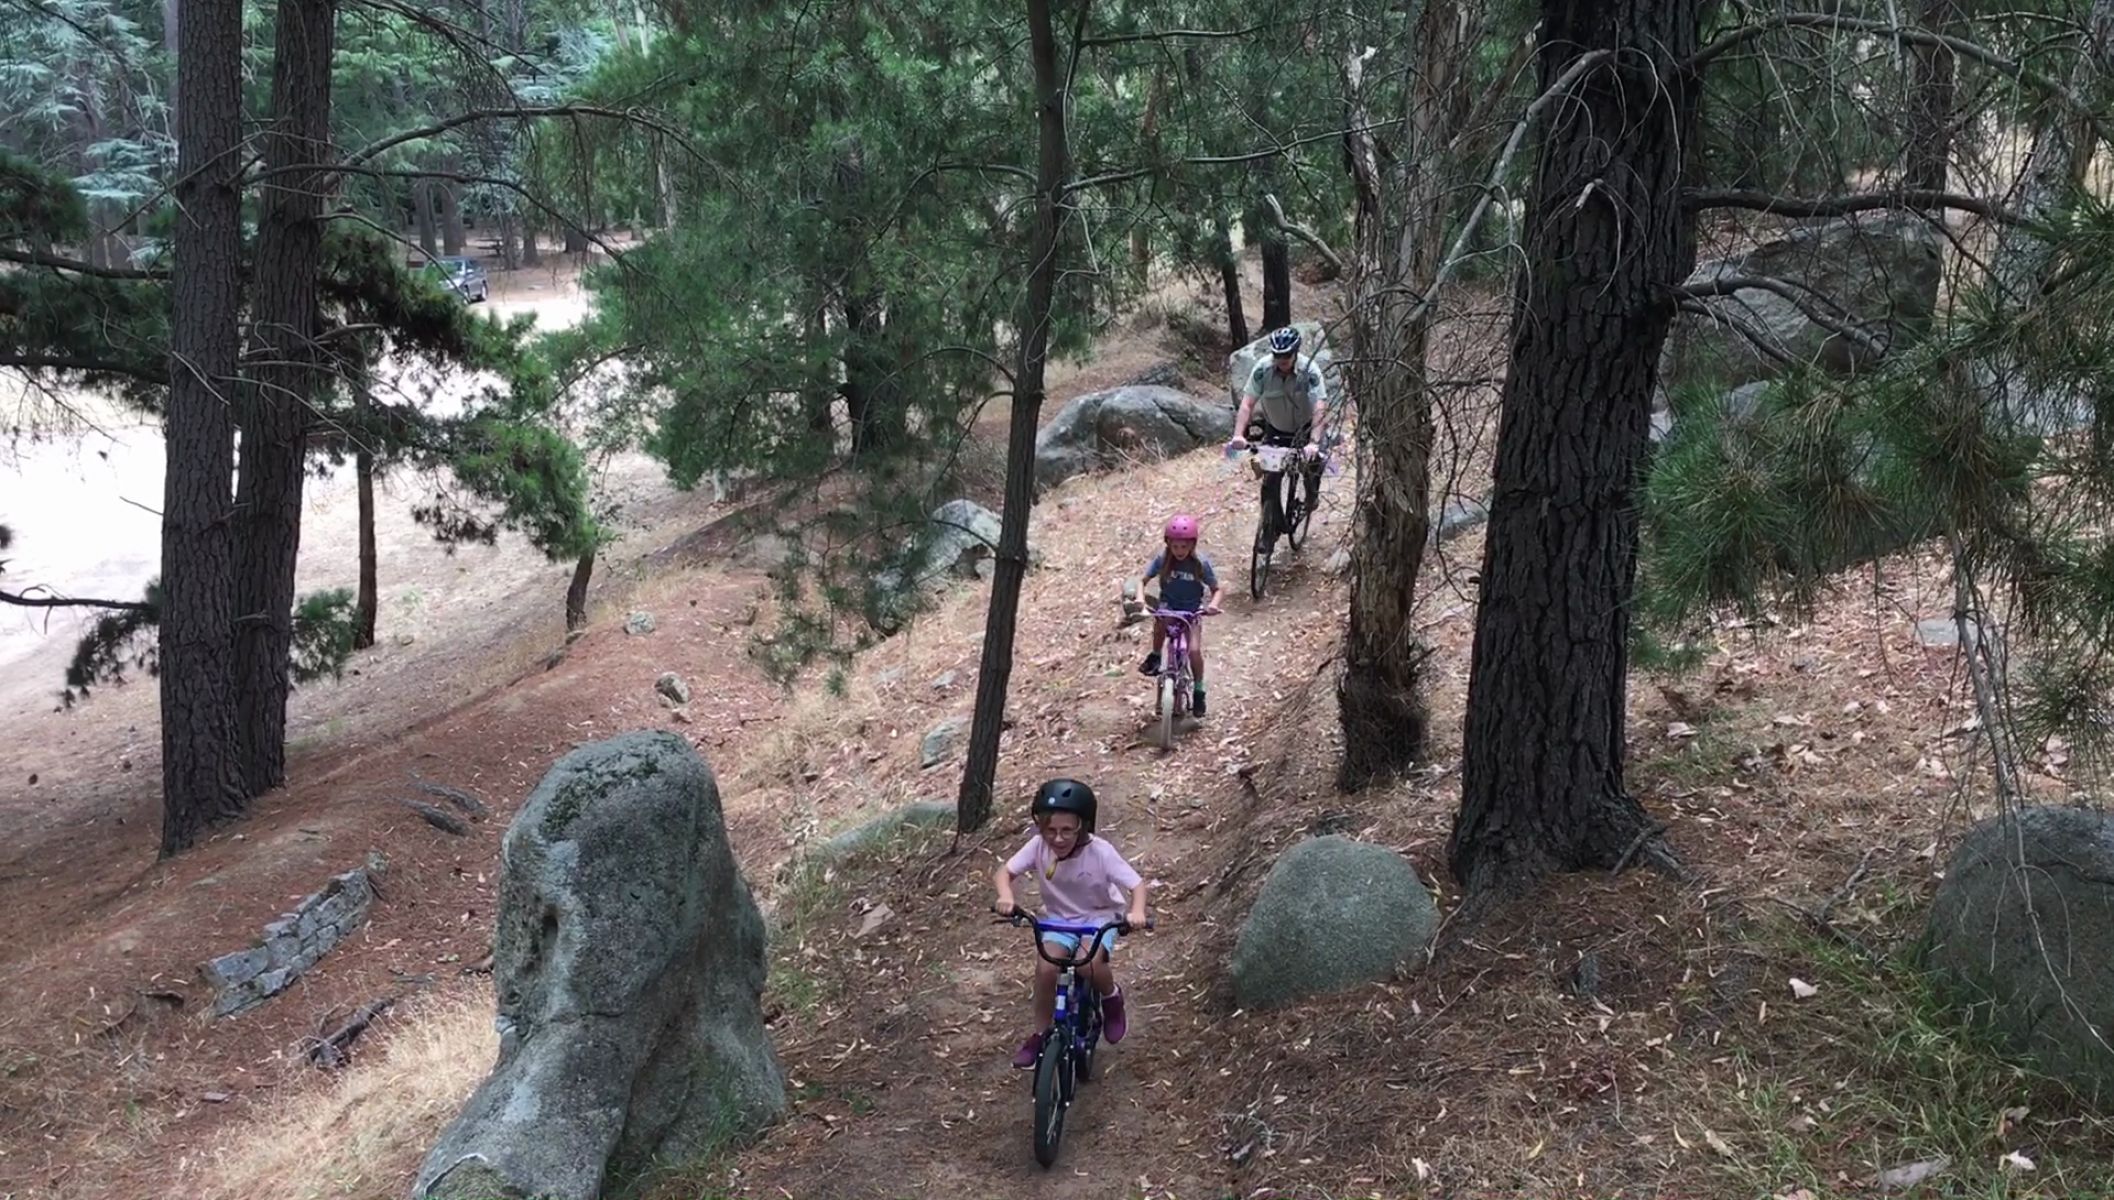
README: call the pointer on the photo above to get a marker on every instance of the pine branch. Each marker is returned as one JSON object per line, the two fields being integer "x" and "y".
{"x": 26, "y": 601}
{"x": 1165, "y": 35}
{"x": 525, "y": 112}
{"x": 1914, "y": 36}
{"x": 1836, "y": 206}
{"x": 65, "y": 362}
{"x": 1797, "y": 294}
{"x": 30, "y": 258}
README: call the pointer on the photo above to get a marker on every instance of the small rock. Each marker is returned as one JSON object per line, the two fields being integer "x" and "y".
{"x": 680, "y": 716}
{"x": 215, "y": 1097}
{"x": 889, "y": 677}
{"x": 939, "y": 742}
{"x": 1458, "y": 517}
{"x": 1339, "y": 562}
{"x": 944, "y": 681}
{"x": 438, "y": 818}
{"x": 1940, "y": 632}
{"x": 672, "y": 686}
{"x": 639, "y": 624}
{"x": 878, "y": 916}
{"x": 32, "y": 781}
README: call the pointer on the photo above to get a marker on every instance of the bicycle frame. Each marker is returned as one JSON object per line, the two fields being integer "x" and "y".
{"x": 1174, "y": 656}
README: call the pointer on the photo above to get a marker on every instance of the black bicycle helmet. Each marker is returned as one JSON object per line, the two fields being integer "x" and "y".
{"x": 1066, "y": 795}
{"x": 1285, "y": 341}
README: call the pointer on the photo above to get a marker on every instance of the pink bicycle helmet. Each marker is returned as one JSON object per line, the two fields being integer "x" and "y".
{"x": 1181, "y": 528}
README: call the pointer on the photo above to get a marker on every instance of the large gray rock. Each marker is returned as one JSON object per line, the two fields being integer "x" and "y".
{"x": 1875, "y": 274}
{"x": 958, "y": 541}
{"x": 1313, "y": 343}
{"x": 629, "y": 959}
{"x": 2022, "y": 935}
{"x": 1333, "y": 913}
{"x": 1103, "y": 429}
{"x": 925, "y": 814}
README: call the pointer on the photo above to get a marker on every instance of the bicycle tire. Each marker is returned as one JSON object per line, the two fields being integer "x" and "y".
{"x": 1302, "y": 508}
{"x": 1089, "y": 1034}
{"x": 1050, "y": 1094}
{"x": 1167, "y": 697}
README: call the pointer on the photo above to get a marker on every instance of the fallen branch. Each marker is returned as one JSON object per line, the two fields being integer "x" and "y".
{"x": 446, "y": 822}
{"x": 72, "y": 602}
{"x": 331, "y": 1050}
{"x": 1843, "y": 205}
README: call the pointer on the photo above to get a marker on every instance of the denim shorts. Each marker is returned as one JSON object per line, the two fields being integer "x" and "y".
{"x": 1070, "y": 941}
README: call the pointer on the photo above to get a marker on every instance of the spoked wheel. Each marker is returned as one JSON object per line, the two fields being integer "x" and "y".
{"x": 1259, "y": 560}
{"x": 1168, "y": 693}
{"x": 1051, "y": 1088}
{"x": 1091, "y": 1038}
{"x": 1299, "y": 508}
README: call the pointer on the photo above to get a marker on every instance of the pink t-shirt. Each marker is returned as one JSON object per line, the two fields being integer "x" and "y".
{"x": 1080, "y": 890}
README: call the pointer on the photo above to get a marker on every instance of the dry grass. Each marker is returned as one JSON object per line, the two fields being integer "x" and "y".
{"x": 361, "y": 1135}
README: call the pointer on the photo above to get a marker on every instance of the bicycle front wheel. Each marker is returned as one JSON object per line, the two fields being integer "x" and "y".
{"x": 1167, "y": 698}
{"x": 1050, "y": 1089}
{"x": 1301, "y": 491}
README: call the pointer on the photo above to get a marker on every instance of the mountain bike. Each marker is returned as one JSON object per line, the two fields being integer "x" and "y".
{"x": 1067, "y": 1056}
{"x": 1175, "y": 678}
{"x": 1287, "y": 507}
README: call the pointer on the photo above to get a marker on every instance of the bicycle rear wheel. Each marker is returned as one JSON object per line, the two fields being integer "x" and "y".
{"x": 1050, "y": 1093}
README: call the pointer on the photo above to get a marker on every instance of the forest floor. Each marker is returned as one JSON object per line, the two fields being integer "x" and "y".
{"x": 1635, "y": 1036}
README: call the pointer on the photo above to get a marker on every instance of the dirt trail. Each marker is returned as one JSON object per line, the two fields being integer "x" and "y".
{"x": 905, "y": 1086}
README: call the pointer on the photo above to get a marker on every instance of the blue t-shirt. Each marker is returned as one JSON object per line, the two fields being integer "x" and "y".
{"x": 1185, "y": 583}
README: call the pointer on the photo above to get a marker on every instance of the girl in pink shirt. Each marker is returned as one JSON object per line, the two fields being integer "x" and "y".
{"x": 1082, "y": 879}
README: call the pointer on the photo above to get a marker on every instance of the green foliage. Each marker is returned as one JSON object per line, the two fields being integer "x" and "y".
{"x": 324, "y": 625}
{"x": 1994, "y": 434}
{"x": 121, "y": 640}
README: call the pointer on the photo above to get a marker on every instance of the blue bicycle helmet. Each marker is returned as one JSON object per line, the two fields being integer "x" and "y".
{"x": 1285, "y": 341}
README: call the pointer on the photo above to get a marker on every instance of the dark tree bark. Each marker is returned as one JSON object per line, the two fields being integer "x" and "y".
{"x": 1932, "y": 74}
{"x": 453, "y": 235}
{"x": 576, "y": 593}
{"x": 282, "y": 382}
{"x": 1052, "y": 208}
{"x": 1277, "y": 272}
{"x": 1606, "y": 241}
{"x": 1401, "y": 227}
{"x": 367, "y": 605}
{"x": 428, "y": 222}
{"x": 201, "y": 775}
{"x": 872, "y": 394}
{"x": 1229, "y": 275}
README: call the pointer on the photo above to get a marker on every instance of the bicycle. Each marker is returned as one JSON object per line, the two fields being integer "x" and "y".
{"x": 1067, "y": 1056}
{"x": 1176, "y": 677}
{"x": 1285, "y": 511}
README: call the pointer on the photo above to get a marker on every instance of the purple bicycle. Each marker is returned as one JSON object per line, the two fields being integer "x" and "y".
{"x": 1175, "y": 678}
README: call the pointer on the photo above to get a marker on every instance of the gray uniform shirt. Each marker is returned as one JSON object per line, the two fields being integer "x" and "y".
{"x": 1286, "y": 401}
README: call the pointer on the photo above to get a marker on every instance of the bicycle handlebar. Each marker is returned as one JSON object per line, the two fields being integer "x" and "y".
{"x": 1091, "y": 935}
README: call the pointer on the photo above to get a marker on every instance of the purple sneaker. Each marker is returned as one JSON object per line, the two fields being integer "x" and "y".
{"x": 1114, "y": 1024}
{"x": 1029, "y": 1051}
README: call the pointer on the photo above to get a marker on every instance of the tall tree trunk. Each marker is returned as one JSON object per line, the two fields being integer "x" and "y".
{"x": 283, "y": 383}
{"x": 428, "y": 223}
{"x": 1932, "y": 75}
{"x": 1606, "y": 241}
{"x": 1401, "y": 227}
{"x": 171, "y": 30}
{"x": 531, "y": 254}
{"x": 367, "y": 606}
{"x": 1277, "y": 270}
{"x": 872, "y": 394}
{"x": 201, "y": 774}
{"x": 576, "y": 592}
{"x": 1229, "y": 277}
{"x": 453, "y": 236}
{"x": 1052, "y": 208}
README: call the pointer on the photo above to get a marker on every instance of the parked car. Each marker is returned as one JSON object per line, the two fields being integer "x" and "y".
{"x": 463, "y": 277}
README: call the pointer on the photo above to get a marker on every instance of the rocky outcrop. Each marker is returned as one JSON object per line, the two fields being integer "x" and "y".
{"x": 629, "y": 962}
{"x": 1101, "y": 430}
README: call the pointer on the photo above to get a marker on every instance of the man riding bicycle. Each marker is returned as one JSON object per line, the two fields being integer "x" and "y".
{"x": 1294, "y": 400}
